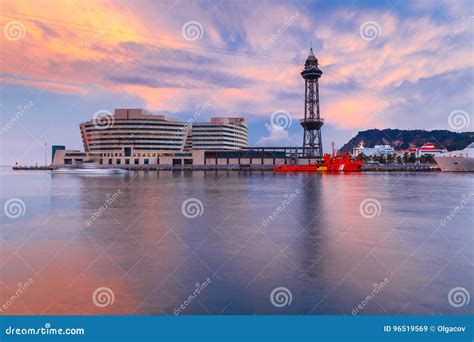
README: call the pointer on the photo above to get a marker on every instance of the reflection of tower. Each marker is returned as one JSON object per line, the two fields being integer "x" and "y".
{"x": 312, "y": 123}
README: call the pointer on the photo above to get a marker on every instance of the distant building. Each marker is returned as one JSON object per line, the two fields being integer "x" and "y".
{"x": 427, "y": 148}
{"x": 409, "y": 151}
{"x": 377, "y": 150}
{"x": 55, "y": 148}
{"x": 219, "y": 134}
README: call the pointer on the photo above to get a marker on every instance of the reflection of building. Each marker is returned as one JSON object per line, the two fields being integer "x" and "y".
{"x": 377, "y": 150}
{"x": 219, "y": 134}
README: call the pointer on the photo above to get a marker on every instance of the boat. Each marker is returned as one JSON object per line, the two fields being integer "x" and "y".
{"x": 330, "y": 163}
{"x": 89, "y": 169}
{"x": 457, "y": 161}
{"x": 341, "y": 163}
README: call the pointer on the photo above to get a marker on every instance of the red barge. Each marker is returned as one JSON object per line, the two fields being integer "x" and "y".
{"x": 330, "y": 163}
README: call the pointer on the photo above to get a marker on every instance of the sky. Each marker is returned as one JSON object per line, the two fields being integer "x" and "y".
{"x": 386, "y": 64}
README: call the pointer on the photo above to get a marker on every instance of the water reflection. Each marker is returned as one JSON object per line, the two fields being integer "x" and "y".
{"x": 129, "y": 234}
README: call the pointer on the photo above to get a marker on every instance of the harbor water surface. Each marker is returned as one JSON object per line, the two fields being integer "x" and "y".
{"x": 221, "y": 243}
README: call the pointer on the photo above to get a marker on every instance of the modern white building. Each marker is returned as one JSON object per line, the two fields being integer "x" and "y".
{"x": 377, "y": 150}
{"x": 138, "y": 137}
{"x": 219, "y": 134}
{"x": 133, "y": 136}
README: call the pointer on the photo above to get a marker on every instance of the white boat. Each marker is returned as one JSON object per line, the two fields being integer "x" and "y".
{"x": 462, "y": 160}
{"x": 89, "y": 169}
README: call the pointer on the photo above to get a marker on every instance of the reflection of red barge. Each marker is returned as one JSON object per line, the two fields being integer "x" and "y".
{"x": 330, "y": 163}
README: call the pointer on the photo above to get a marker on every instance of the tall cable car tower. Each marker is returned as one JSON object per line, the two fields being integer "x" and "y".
{"x": 312, "y": 122}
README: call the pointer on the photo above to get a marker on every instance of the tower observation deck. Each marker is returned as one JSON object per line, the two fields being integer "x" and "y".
{"x": 312, "y": 122}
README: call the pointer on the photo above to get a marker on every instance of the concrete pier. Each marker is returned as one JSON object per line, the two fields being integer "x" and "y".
{"x": 252, "y": 167}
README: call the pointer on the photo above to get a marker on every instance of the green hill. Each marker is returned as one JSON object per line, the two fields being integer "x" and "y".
{"x": 402, "y": 139}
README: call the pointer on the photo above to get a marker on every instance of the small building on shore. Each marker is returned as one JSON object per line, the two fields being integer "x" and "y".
{"x": 426, "y": 149}
{"x": 429, "y": 148}
{"x": 377, "y": 150}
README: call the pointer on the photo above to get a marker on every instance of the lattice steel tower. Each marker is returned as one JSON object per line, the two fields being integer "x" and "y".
{"x": 312, "y": 122}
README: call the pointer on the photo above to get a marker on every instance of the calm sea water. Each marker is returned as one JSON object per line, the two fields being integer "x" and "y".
{"x": 260, "y": 243}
